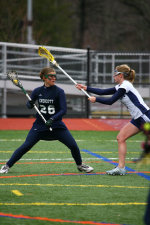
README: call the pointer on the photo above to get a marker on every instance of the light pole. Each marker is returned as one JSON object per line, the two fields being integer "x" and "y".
{"x": 29, "y": 22}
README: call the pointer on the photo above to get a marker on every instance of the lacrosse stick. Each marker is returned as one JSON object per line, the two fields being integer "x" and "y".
{"x": 14, "y": 78}
{"x": 43, "y": 52}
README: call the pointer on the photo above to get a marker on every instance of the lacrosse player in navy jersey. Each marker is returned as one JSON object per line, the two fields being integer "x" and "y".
{"x": 125, "y": 92}
{"x": 52, "y": 104}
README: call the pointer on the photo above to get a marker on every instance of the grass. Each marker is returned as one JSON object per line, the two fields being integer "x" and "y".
{"x": 52, "y": 188}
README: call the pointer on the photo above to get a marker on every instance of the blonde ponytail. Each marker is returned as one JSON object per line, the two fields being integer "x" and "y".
{"x": 129, "y": 74}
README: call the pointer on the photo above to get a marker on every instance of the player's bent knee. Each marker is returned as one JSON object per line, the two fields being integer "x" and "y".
{"x": 120, "y": 139}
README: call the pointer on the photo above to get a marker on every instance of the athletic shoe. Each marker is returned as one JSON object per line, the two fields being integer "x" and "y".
{"x": 4, "y": 169}
{"x": 85, "y": 168}
{"x": 116, "y": 171}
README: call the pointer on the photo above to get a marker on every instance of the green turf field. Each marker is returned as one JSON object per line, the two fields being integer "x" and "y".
{"x": 45, "y": 187}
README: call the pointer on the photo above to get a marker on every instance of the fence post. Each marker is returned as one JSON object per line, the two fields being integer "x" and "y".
{"x": 4, "y": 90}
{"x": 88, "y": 82}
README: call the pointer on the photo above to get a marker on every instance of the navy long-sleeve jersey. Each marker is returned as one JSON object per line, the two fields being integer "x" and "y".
{"x": 51, "y": 103}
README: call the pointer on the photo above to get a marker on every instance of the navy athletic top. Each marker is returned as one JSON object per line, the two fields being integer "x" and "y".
{"x": 51, "y": 104}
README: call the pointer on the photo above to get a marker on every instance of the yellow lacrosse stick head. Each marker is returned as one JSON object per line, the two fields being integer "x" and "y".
{"x": 15, "y": 82}
{"x": 43, "y": 52}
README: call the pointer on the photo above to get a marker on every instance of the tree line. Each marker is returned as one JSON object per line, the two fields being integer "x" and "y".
{"x": 104, "y": 25}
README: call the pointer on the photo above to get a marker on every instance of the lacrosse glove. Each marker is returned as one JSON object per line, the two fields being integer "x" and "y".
{"x": 30, "y": 104}
{"x": 49, "y": 122}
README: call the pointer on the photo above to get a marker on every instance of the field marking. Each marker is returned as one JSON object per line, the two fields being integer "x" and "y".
{"x": 69, "y": 174}
{"x": 3, "y": 140}
{"x": 16, "y": 192}
{"x": 116, "y": 164}
{"x": 55, "y": 159}
{"x": 54, "y": 220}
{"x": 58, "y": 159}
{"x": 71, "y": 204}
{"x": 58, "y": 162}
{"x": 74, "y": 185}
{"x": 42, "y": 152}
{"x": 52, "y": 174}
{"x": 7, "y": 140}
{"x": 67, "y": 152}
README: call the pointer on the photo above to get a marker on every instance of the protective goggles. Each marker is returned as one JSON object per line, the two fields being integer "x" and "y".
{"x": 116, "y": 73}
{"x": 47, "y": 76}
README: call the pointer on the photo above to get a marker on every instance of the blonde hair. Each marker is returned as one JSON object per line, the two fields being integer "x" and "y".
{"x": 46, "y": 71}
{"x": 129, "y": 74}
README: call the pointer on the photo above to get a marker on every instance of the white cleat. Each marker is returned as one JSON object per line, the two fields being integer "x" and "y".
{"x": 117, "y": 171}
{"x": 4, "y": 169}
{"x": 85, "y": 168}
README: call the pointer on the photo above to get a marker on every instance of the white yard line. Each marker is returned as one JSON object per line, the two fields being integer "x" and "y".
{"x": 66, "y": 159}
{"x": 4, "y": 140}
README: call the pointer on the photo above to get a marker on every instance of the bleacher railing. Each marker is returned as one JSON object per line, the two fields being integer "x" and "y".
{"x": 25, "y": 60}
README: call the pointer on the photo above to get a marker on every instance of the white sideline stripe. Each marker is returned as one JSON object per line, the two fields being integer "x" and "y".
{"x": 132, "y": 141}
{"x": 12, "y": 140}
{"x": 66, "y": 159}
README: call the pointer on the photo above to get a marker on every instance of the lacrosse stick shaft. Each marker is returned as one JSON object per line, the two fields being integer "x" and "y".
{"x": 14, "y": 78}
{"x": 72, "y": 80}
{"x": 43, "y": 52}
{"x": 36, "y": 108}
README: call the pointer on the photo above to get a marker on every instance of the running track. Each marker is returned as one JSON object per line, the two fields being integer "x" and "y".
{"x": 72, "y": 124}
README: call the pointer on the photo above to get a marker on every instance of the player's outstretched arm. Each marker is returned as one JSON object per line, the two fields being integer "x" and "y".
{"x": 81, "y": 86}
